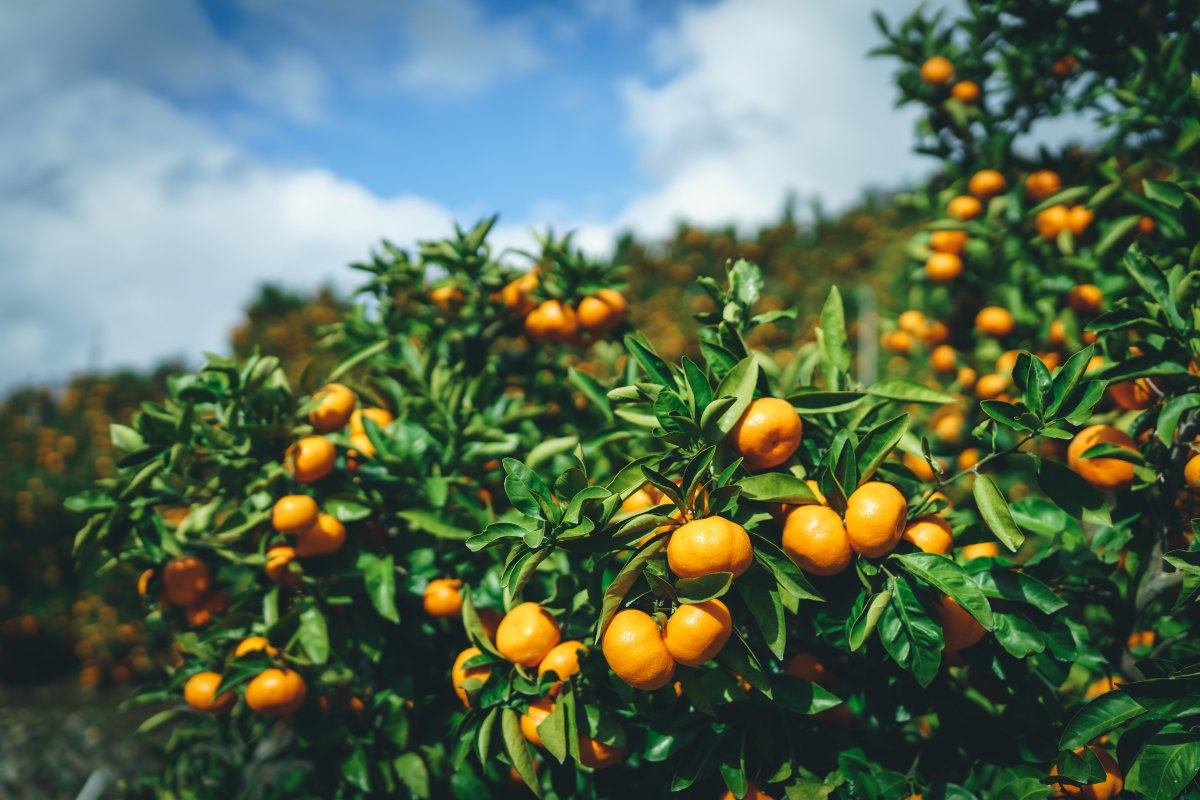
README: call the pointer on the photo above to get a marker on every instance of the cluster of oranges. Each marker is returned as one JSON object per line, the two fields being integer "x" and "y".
{"x": 274, "y": 692}
{"x": 558, "y": 321}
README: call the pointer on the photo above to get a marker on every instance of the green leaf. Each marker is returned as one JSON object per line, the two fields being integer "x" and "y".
{"x": 789, "y": 577}
{"x": 777, "y": 487}
{"x": 818, "y": 402}
{"x": 1072, "y": 493}
{"x": 995, "y": 512}
{"x": 593, "y": 391}
{"x": 433, "y": 523}
{"x": 833, "y": 338}
{"x": 706, "y": 587}
{"x": 1019, "y": 587}
{"x": 739, "y": 657}
{"x": 1163, "y": 192}
{"x": 908, "y": 391}
{"x": 125, "y": 439}
{"x": 614, "y": 595}
{"x": 942, "y": 572}
{"x": 1152, "y": 280}
{"x": 379, "y": 578}
{"x": 909, "y": 635}
{"x": 1098, "y": 717}
{"x": 761, "y": 597}
{"x": 518, "y": 750}
{"x": 877, "y": 444}
{"x": 474, "y": 625}
{"x": 1067, "y": 378}
{"x": 1168, "y": 418}
{"x": 526, "y": 490}
{"x": 1167, "y": 763}
{"x": 644, "y": 354}
{"x": 313, "y": 634}
{"x": 739, "y": 384}
{"x": 413, "y": 773}
{"x": 496, "y": 532}
{"x": 864, "y": 623}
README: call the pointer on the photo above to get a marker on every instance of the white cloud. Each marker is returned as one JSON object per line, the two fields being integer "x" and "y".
{"x": 766, "y": 97}
{"x": 452, "y": 48}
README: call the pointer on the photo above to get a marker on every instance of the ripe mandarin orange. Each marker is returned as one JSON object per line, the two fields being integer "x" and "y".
{"x": 1078, "y": 219}
{"x": 598, "y": 755}
{"x": 1135, "y": 395}
{"x": 278, "y": 559}
{"x": 536, "y": 714}
{"x": 276, "y": 692}
{"x": 601, "y": 312}
{"x": 448, "y": 298}
{"x": 980, "y": 550}
{"x": 526, "y": 634}
{"x": 995, "y": 321}
{"x": 323, "y": 537}
{"x": 310, "y": 459}
{"x": 814, "y": 537}
{"x": 443, "y": 597}
{"x": 943, "y": 267}
{"x": 959, "y": 629}
{"x": 875, "y": 517}
{"x": 332, "y": 407}
{"x": 712, "y": 544}
{"x": 964, "y": 207}
{"x": 634, "y": 649}
{"x": 696, "y": 632}
{"x": 563, "y": 661}
{"x": 1106, "y": 474}
{"x": 1042, "y": 184}
{"x": 380, "y": 416}
{"x": 966, "y": 92}
{"x": 254, "y": 644}
{"x": 767, "y": 433}
{"x": 200, "y": 692}
{"x": 931, "y": 534}
{"x": 1086, "y": 298}
{"x": 989, "y": 387}
{"x": 986, "y": 183}
{"x": 951, "y": 242}
{"x": 752, "y": 793}
{"x": 515, "y": 293}
{"x": 459, "y": 675}
{"x": 1051, "y": 221}
{"x": 937, "y": 71}
{"x": 186, "y": 580}
{"x": 1106, "y": 789}
{"x": 1191, "y": 472}
{"x": 943, "y": 359}
{"x": 552, "y": 321}
{"x": 294, "y": 513}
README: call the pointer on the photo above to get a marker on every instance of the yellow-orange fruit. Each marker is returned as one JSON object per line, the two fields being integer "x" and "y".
{"x": 1106, "y": 474}
{"x": 206, "y": 610}
{"x": 912, "y": 321}
{"x": 1191, "y": 472}
{"x": 696, "y": 632}
{"x": 966, "y": 92}
{"x": 875, "y": 517}
{"x": 633, "y": 646}
{"x": 515, "y": 293}
{"x": 448, "y": 298}
{"x": 937, "y": 71}
{"x": 380, "y": 416}
{"x": 526, "y": 634}
{"x": 931, "y": 534}
{"x": 964, "y": 207}
{"x": 294, "y": 513}
{"x": 563, "y": 661}
{"x": 1051, "y": 221}
{"x": 254, "y": 644}
{"x": 323, "y": 537}
{"x": 970, "y": 552}
{"x": 310, "y": 459}
{"x": 995, "y": 321}
{"x": 1086, "y": 298}
{"x": 598, "y": 755}
{"x": 986, "y": 183}
{"x": 943, "y": 359}
{"x": 601, "y": 312}
{"x": 538, "y": 711}
{"x": 752, "y": 793}
{"x": 278, "y": 559}
{"x": 959, "y": 629}
{"x": 443, "y": 597}
{"x": 767, "y": 433}
{"x": 712, "y": 544}
{"x": 989, "y": 387}
{"x": 814, "y": 537}
{"x": 943, "y": 267}
{"x": 200, "y": 692}
{"x": 552, "y": 321}
{"x": 1042, "y": 184}
{"x": 332, "y": 406}
{"x": 1078, "y": 219}
{"x": 459, "y": 675}
{"x": 952, "y": 242}
{"x": 276, "y": 692}
{"x": 186, "y": 580}
{"x": 1135, "y": 395}
{"x": 1107, "y": 789}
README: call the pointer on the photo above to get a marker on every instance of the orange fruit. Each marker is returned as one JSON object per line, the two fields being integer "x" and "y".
{"x": 968, "y": 458}
{"x": 971, "y": 552}
{"x": 1078, "y": 219}
{"x": 1006, "y": 361}
{"x": 200, "y": 692}
{"x": 767, "y": 433}
{"x": 937, "y": 71}
{"x": 1106, "y": 789}
{"x": 360, "y": 445}
{"x": 254, "y": 644}
{"x": 1042, "y": 184}
{"x": 1057, "y": 333}
{"x": 815, "y": 539}
{"x": 951, "y": 242}
{"x": 526, "y": 634}
{"x": 310, "y": 459}
{"x": 1191, "y": 472}
{"x": 912, "y": 321}
{"x": 443, "y": 597}
{"x": 943, "y": 267}
{"x": 1065, "y": 67}
{"x": 875, "y": 517}
{"x": 204, "y": 611}
{"x": 986, "y": 183}
{"x": 1086, "y": 298}
{"x": 964, "y": 207}
{"x": 995, "y": 321}
{"x": 1106, "y": 474}
{"x": 898, "y": 341}
{"x": 1140, "y": 639}
{"x": 696, "y": 632}
{"x": 332, "y": 407}
{"x": 752, "y": 793}
{"x": 1135, "y": 395}
{"x": 563, "y": 661}
{"x": 949, "y": 427}
{"x": 186, "y": 580}
{"x": 278, "y": 559}
{"x": 276, "y": 692}
{"x": 294, "y": 513}
{"x": 811, "y": 669}
{"x": 325, "y": 536}
{"x": 458, "y": 675}
{"x": 601, "y": 312}
{"x": 143, "y": 582}
{"x": 538, "y": 711}
{"x": 380, "y": 416}
{"x": 515, "y": 293}
{"x": 966, "y": 92}
{"x": 918, "y": 466}
{"x": 943, "y": 358}
{"x": 989, "y": 387}
{"x": 448, "y": 298}
{"x": 1051, "y": 221}
{"x": 712, "y": 544}
{"x": 634, "y": 649}
{"x": 640, "y": 500}
{"x": 936, "y": 333}
{"x": 1103, "y": 686}
{"x": 598, "y": 755}
{"x": 552, "y": 321}
{"x": 959, "y": 629}
{"x": 931, "y": 534}
{"x": 1147, "y": 225}
{"x": 965, "y": 377}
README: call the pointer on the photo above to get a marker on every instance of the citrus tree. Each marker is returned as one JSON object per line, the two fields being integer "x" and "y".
{"x": 501, "y": 544}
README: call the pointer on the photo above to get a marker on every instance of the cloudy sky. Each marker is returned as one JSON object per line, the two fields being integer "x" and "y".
{"x": 158, "y": 160}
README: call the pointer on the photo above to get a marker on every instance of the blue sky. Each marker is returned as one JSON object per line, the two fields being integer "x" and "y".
{"x": 158, "y": 160}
